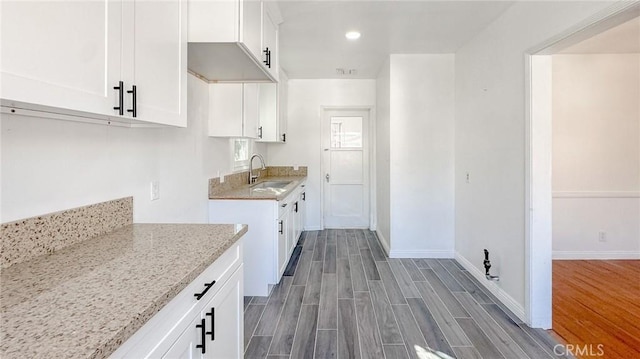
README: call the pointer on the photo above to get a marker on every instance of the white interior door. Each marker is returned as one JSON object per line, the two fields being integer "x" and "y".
{"x": 345, "y": 169}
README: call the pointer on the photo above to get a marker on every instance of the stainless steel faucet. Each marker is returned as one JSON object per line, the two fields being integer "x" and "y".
{"x": 252, "y": 178}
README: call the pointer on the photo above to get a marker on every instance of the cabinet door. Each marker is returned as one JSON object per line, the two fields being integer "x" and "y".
{"x": 268, "y": 114}
{"x": 64, "y": 54}
{"x": 283, "y": 97}
{"x": 270, "y": 41}
{"x": 283, "y": 245}
{"x": 225, "y": 110}
{"x": 185, "y": 346}
{"x": 291, "y": 231}
{"x": 251, "y": 110}
{"x": 225, "y": 320}
{"x": 214, "y": 21}
{"x": 252, "y": 26}
{"x": 156, "y": 61}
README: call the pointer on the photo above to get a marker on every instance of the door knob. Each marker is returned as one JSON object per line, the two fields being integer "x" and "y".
{"x": 327, "y": 177}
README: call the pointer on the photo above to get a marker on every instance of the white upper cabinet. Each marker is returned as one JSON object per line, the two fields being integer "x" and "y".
{"x": 233, "y": 110}
{"x": 273, "y": 110}
{"x": 63, "y": 54}
{"x": 270, "y": 42}
{"x": 69, "y": 57}
{"x": 156, "y": 61}
{"x": 268, "y": 114}
{"x": 227, "y": 40}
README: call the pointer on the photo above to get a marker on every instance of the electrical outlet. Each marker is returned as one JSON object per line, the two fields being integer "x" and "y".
{"x": 155, "y": 190}
{"x": 468, "y": 178}
{"x": 602, "y": 236}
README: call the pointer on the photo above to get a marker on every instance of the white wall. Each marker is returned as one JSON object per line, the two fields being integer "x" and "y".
{"x": 51, "y": 165}
{"x": 596, "y": 156}
{"x": 383, "y": 154}
{"x": 490, "y": 138}
{"x": 306, "y": 98}
{"x": 421, "y": 155}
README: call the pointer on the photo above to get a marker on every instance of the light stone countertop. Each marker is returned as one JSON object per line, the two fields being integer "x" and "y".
{"x": 245, "y": 192}
{"x": 85, "y": 300}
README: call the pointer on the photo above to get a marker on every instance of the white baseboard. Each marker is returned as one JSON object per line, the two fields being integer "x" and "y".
{"x": 313, "y": 228}
{"x": 383, "y": 242}
{"x": 581, "y": 255}
{"x": 492, "y": 287}
{"x": 421, "y": 254}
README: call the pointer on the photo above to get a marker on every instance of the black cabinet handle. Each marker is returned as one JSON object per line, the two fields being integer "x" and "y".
{"x": 304, "y": 196}
{"x": 296, "y": 207}
{"x": 281, "y": 227}
{"x": 134, "y": 96}
{"x": 267, "y": 57}
{"x": 212, "y": 314}
{"x": 202, "y": 336}
{"x": 260, "y": 132}
{"x": 284, "y": 137}
{"x": 206, "y": 289}
{"x": 120, "y": 89}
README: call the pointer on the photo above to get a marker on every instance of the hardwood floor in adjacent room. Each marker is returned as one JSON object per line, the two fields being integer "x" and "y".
{"x": 598, "y": 302}
{"x": 342, "y": 297}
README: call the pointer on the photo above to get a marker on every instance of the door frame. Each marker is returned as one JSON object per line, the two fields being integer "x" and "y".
{"x": 370, "y": 147}
{"x": 538, "y": 120}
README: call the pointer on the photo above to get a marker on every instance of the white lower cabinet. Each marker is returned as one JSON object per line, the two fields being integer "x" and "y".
{"x": 283, "y": 245}
{"x": 217, "y": 332}
{"x": 271, "y": 233}
{"x": 205, "y": 320}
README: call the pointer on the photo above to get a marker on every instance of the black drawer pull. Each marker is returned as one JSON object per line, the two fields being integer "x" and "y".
{"x": 207, "y": 286}
{"x": 202, "y": 336}
{"x": 304, "y": 195}
{"x": 296, "y": 207}
{"x": 212, "y": 314}
{"x": 281, "y": 227}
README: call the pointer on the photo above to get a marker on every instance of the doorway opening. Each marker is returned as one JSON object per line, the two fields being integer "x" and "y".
{"x": 543, "y": 183}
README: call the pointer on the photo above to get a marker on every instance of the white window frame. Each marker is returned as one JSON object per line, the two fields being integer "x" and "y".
{"x": 240, "y": 165}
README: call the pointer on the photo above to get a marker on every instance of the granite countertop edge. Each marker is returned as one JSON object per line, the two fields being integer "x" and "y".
{"x": 244, "y": 192}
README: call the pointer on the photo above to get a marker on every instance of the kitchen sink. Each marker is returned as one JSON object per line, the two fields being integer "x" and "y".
{"x": 271, "y": 184}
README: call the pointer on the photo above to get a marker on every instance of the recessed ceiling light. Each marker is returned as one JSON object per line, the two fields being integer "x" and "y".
{"x": 352, "y": 35}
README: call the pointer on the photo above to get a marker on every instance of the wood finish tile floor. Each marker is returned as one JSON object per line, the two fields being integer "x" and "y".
{"x": 343, "y": 298}
{"x": 598, "y": 302}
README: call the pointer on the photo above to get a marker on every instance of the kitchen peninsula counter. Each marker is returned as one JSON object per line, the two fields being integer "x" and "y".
{"x": 85, "y": 300}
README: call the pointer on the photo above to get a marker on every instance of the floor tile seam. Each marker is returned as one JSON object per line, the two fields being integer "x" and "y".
{"x": 446, "y": 308}
{"x": 452, "y": 277}
{"x": 536, "y": 340}
{"x": 519, "y": 328}
{"x": 396, "y": 278}
{"x": 295, "y": 331}
{"x": 256, "y": 327}
{"x": 308, "y": 271}
{"x": 499, "y": 328}
{"x": 375, "y": 317}
{"x": 477, "y": 286}
{"x": 436, "y": 322}
{"x": 392, "y": 312}
{"x": 279, "y": 314}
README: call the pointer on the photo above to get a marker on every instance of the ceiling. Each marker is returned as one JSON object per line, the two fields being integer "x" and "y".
{"x": 622, "y": 39}
{"x": 313, "y": 45}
